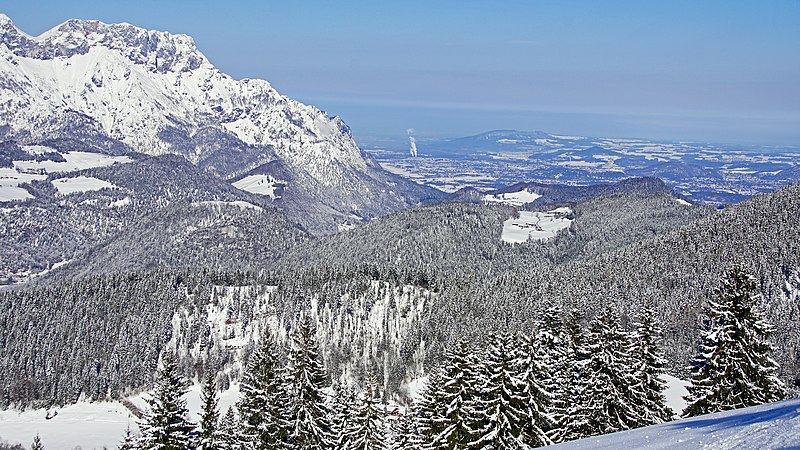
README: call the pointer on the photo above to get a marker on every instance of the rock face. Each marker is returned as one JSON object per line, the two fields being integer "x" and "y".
{"x": 124, "y": 88}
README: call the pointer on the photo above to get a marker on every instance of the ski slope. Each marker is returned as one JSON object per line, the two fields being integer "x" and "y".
{"x": 770, "y": 426}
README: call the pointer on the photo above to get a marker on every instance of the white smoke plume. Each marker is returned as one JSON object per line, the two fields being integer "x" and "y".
{"x": 412, "y": 142}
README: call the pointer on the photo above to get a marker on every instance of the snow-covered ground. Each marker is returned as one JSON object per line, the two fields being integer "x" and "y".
{"x": 676, "y": 390}
{"x": 26, "y": 171}
{"x": 770, "y": 426}
{"x": 102, "y": 424}
{"x": 518, "y": 198}
{"x": 258, "y": 184}
{"x": 90, "y": 425}
{"x": 9, "y": 193}
{"x": 82, "y": 183}
{"x": 74, "y": 161}
{"x": 535, "y": 225}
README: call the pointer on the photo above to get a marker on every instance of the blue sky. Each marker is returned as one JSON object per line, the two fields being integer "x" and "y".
{"x": 709, "y": 71}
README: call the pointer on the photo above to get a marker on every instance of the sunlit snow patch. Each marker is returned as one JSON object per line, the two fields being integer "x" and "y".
{"x": 82, "y": 183}
{"x": 535, "y": 225}
{"x": 9, "y": 193}
{"x": 120, "y": 203}
{"x": 74, "y": 161}
{"x": 518, "y": 198}
{"x": 773, "y": 425}
{"x": 92, "y": 424}
{"x": 258, "y": 184}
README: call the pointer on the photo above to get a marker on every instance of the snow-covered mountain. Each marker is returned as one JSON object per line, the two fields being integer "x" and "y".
{"x": 154, "y": 93}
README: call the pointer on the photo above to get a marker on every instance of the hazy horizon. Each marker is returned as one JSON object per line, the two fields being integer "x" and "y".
{"x": 713, "y": 72}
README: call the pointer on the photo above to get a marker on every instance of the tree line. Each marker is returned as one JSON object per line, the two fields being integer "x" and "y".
{"x": 567, "y": 380}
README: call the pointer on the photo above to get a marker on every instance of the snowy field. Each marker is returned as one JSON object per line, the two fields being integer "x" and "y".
{"x": 74, "y": 161}
{"x": 535, "y": 225}
{"x": 258, "y": 184}
{"x": 90, "y": 425}
{"x": 770, "y": 426}
{"x": 66, "y": 186}
{"x": 26, "y": 171}
{"x": 517, "y": 199}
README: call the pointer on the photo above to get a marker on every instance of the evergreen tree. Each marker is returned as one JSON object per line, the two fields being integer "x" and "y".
{"x": 263, "y": 403}
{"x": 733, "y": 367}
{"x": 37, "y": 444}
{"x": 166, "y": 425}
{"x": 405, "y": 435}
{"x": 647, "y": 354}
{"x": 309, "y": 416}
{"x": 571, "y": 398}
{"x": 431, "y": 410}
{"x": 611, "y": 381}
{"x": 128, "y": 441}
{"x": 366, "y": 430}
{"x": 535, "y": 376}
{"x": 502, "y": 405}
{"x": 209, "y": 416}
{"x": 230, "y": 433}
{"x": 458, "y": 397}
{"x": 344, "y": 403}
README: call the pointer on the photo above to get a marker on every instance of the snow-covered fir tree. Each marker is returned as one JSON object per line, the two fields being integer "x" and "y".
{"x": 457, "y": 396}
{"x": 572, "y": 409}
{"x": 343, "y": 404}
{"x": 647, "y": 355}
{"x": 209, "y": 416}
{"x": 166, "y": 424}
{"x": 405, "y": 435}
{"x": 231, "y": 437}
{"x": 431, "y": 409}
{"x": 309, "y": 425}
{"x": 263, "y": 404}
{"x": 366, "y": 429}
{"x": 611, "y": 382}
{"x": 37, "y": 443}
{"x": 536, "y": 375}
{"x": 734, "y": 367}
{"x": 502, "y": 406}
{"x": 128, "y": 441}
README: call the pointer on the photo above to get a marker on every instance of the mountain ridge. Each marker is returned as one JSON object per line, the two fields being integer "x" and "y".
{"x": 156, "y": 93}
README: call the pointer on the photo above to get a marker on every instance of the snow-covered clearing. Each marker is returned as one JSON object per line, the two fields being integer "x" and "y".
{"x": 91, "y": 425}
{"x": 120, "y": 203}
{"x": 9, "y": 193}
{"x": 518, "y": 198}
{"x": 82, "y": 183}
{"x": 26, "y": 171}
{"x": 770, "y": 426}
{"x": 535, "y": 225}
{"x": 74, "y": 161}
{"x": 258, "y": 184}
{"x": 676, "y": 390}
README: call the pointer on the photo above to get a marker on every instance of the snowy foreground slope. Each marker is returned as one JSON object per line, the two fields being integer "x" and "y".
{"x": 94, "y": 425}
{"x": 770, "y": 426}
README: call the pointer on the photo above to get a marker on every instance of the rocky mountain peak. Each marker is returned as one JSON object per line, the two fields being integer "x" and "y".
{"x": 160, "y": 50}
